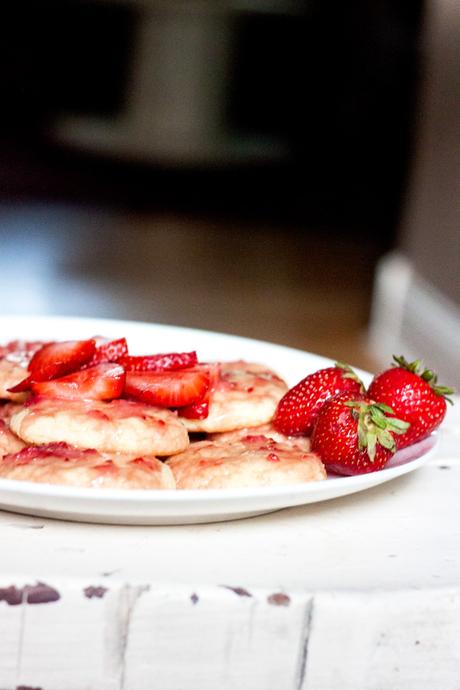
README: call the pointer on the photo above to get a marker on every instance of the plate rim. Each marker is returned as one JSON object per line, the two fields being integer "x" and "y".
{"x": 155, "y": 324}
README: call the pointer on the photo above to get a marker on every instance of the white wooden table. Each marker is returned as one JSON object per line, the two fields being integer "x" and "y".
{"x": 359, "y": 593}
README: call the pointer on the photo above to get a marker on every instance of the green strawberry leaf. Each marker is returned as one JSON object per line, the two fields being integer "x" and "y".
{"x": 362, "y": 437}
{"x": 348, "y": 373}
{"x": 398, "y": 426}
{"x": 383, "y": 407}
{"x": 386, "y": 440}
{"x": 374, "y": 427}
{"x": 378, "y": 417}
{"x": 427, "y": 375}
{"x": 371, "y": 445}
{"x": 445, "y": 392}
{"x": 402, "y": 362}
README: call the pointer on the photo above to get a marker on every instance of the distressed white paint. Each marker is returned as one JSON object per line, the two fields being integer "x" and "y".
{"x": 11, "y": 618}
{"x": 225, "y": 637}
{"x": 378, "y": 640}
{"x": 373, "y": 582}
{"x": 64, "y": 643}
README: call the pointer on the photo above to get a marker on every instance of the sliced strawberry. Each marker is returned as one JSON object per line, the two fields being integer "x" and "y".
{"x": 168, "y": 388}
{"x": 200, "y": 410}
{"x": 54, "y": 359}
{"x": 163, "y": 362}
{"x": 103, "y": 381}
{"x": 197, "y": 410}
{"x": 57, "y": 359}
{"x": 22, "y": 386}
{"x": 109, "y": 351}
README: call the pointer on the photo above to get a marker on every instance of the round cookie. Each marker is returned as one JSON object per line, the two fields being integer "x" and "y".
{"x": 11, "y": 374}
{"x": 252, "y": 461}
{"x": 245, "y": 395}
{"x": 9, "y": 442}
{"x": 119, "y": 426}
{"x": 7, "y": 409}
{"x": 14, "y": 360}
{"x": 267, "y": 430}
{"x": 59, "y": 463}
{"x": 21, "y": 351}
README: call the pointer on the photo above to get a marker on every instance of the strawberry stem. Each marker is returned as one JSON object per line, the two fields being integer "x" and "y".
{"x": 427, "y": 375}
{"x": 349, "y": 373}
{"x": 374, "y": 427}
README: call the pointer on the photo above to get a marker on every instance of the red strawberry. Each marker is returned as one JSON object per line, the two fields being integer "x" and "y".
{"x": 109, "y": 350}
{"x": 197, "y": 410}
{"x": 298, "y": 408}
{"x": 168, "y": 388}
{"x": 200, "y": 410}
{"x": 104, "y": 381}
{"x": 56, "y": 359}
{"x": 414, "y": 395}
{"x": 354, "y": 436}
{"x": 166, "y": 362}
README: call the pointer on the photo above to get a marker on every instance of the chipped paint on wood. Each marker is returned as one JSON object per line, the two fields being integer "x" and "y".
{"x": 92, "y": 592}
{"x": 11, "y": 595}
{"x": 240, "y": 591}
{"x": 40, "y": 593}
{"x": 279, "y": 599}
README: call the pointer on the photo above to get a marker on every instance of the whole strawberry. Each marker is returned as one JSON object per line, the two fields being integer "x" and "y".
{"x": 355, "y": 436}
{"x": 298, "y": 408}
{"x": 414, "y": 395}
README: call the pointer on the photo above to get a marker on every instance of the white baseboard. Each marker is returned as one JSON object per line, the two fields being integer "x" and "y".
{"x": 410, "y": 316}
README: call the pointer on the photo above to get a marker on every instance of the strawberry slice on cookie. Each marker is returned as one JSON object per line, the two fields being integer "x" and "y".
{"x": 56, "y": 359}
{"x": 200, "y": 409}
{"x": 170, "y": 361}
{"x": 103, "y": 381}
{"x": 168, "y": 388}
{"x": 109, "y": 350}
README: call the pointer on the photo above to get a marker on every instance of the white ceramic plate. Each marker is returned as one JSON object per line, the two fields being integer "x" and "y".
{"x": 180, "y": 507}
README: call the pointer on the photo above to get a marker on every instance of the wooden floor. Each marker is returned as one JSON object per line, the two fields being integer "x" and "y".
{"x": 309, "y": 290}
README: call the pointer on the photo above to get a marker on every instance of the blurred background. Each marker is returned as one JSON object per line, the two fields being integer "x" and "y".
{"x": 287, "y": 170}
